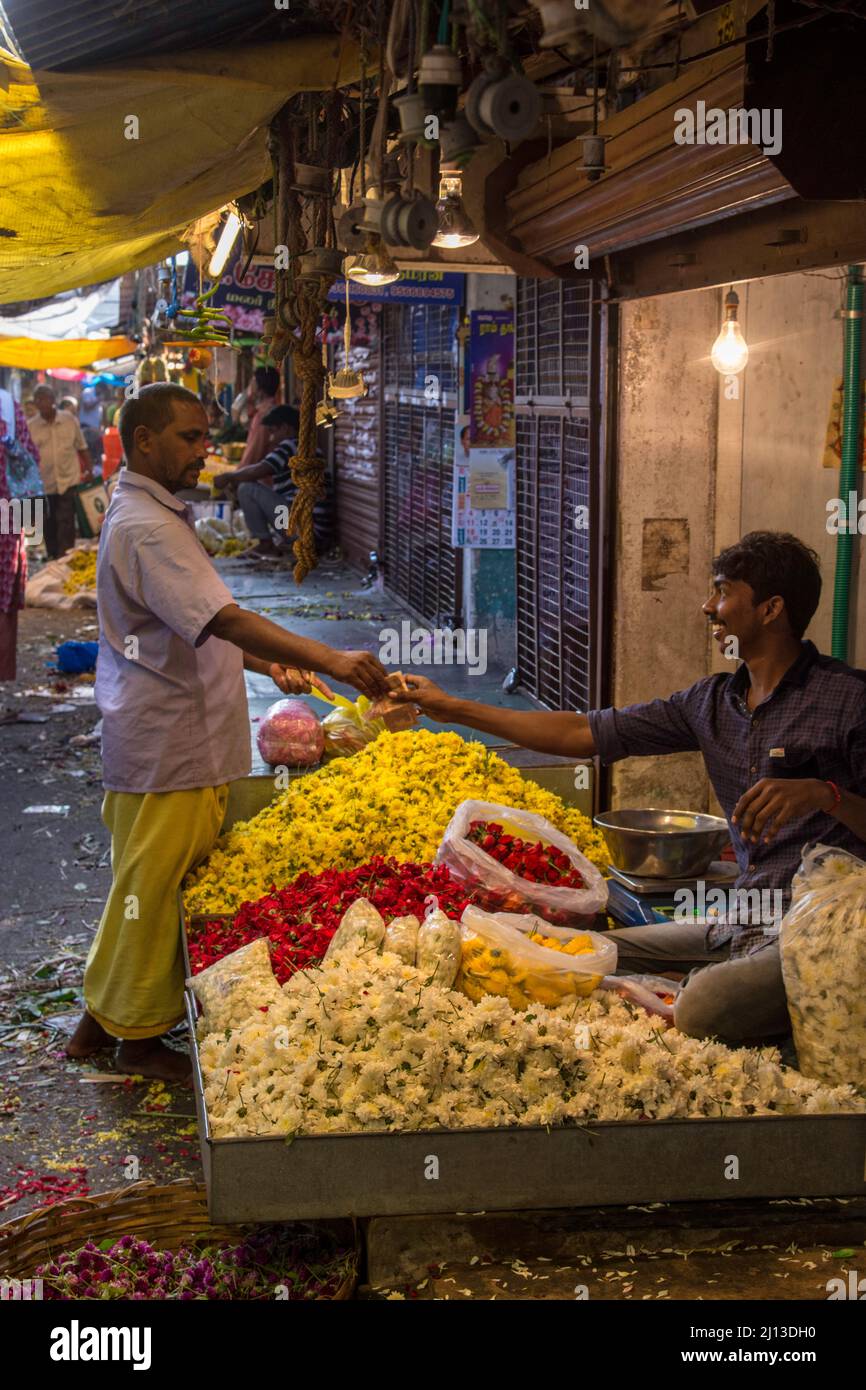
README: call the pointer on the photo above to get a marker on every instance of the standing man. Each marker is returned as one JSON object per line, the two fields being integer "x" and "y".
{"x": 90, "y": 420}
{"x": 64, "y": 462}
{"x": 173, "y": 646}
{"x": 784, "y": 742}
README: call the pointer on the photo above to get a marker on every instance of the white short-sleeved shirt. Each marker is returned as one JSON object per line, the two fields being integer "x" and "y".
{"x": 58, "y": 443}
{"x": 174, "y": 706}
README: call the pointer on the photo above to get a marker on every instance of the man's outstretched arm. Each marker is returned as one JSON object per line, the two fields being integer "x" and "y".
{"x": 568, "y": 735}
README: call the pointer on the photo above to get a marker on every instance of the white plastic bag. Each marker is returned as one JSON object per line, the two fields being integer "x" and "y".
{"x": 212, "y": 531}
{"x": 499, "y": 958}
{"x": 234, "y": 987}
{"x": 497, "y": 889}
{"x": 361, "y": 924}
{"x": 401, "y": 937}
{"x": 439, "y": 945}
{"x": 823, "y": 949}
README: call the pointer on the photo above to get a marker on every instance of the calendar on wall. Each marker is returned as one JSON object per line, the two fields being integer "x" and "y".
{"x": 483, "y": 507}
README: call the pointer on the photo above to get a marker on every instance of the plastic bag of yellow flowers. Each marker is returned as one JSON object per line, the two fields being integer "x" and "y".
{"x": 528, "y": 961}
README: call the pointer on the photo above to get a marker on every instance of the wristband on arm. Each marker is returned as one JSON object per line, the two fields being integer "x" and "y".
{"x": 837, "y": 795}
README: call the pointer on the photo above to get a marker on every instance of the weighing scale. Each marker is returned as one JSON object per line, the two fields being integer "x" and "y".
{"x": 637, "y": 901}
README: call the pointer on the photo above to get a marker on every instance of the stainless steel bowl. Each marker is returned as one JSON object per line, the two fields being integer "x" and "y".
{"x": 663, "y": 844}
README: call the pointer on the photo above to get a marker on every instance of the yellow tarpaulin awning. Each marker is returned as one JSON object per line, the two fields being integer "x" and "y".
{"x": 38, "y": 354}
{"x": 101, "y": 170}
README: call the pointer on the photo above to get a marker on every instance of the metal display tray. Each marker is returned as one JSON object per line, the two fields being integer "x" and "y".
{"x": 526, "y": 1169}
{"x": 519, "y": 1169}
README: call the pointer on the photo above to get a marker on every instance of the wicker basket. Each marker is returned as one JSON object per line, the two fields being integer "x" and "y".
{"x": 168, "y": 1215}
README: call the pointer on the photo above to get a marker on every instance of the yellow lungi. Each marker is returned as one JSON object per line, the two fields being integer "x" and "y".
{"x": 133, "y": 980}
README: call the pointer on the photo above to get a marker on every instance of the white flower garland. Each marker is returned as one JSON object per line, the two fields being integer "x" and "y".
{"x": 365, "y": 1043}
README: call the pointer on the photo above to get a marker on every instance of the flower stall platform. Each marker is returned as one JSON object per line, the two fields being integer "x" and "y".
{"x": 521, "y": 1168}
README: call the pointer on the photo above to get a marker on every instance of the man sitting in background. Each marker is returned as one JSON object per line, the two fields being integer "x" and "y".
{"x": 259, "y": 501}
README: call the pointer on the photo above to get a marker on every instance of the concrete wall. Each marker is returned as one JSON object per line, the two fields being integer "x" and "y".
{"x": 723, "y": 466}
{"x": 665, "y": 505}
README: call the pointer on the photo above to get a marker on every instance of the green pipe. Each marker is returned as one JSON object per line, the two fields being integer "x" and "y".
{"x": 852, "y": 411}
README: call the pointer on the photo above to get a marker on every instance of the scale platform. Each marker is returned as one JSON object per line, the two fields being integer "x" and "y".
{"x": 636, "y": 901}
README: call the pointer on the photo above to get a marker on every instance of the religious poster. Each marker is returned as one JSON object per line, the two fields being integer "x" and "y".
{"x": 491, "y": 379}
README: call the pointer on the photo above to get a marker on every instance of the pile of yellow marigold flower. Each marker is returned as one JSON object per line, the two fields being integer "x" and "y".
{"x": 82, "y": 571}
{"x": 395, "y": 797}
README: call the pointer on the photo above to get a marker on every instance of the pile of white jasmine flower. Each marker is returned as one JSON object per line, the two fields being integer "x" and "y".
{"x": 367, "y": 1043}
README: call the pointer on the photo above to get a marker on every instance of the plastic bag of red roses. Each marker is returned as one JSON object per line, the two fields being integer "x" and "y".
{"x": 514, "y": 861}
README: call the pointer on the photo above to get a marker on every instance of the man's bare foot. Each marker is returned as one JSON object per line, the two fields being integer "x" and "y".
{"x": 89, "y": 1037}
{"x": 151, "y": 1057}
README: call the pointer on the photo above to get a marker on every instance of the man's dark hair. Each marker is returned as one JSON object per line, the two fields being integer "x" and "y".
{"x": 152, "y": 407}
{"x": 775, "y": 562}
{"x": 283, "y": 415}
{"x": 267, "y": 380}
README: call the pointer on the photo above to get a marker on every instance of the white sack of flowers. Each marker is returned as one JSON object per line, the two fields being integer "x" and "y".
{"x": 823, "y": 946}
{"x": 235, "y": 987}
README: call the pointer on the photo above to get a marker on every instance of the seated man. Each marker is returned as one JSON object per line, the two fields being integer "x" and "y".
{"x": 260, "y": 499}
{"x": 784, "y": 742}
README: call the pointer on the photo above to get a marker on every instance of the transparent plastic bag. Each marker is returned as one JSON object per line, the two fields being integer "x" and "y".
{"x": 212, "y": 531}
{"x": 822, "y": 941}
{"x": 361, "y": 924}
{"x": 500, "y": 958}
{"x": 439, "y": 945}
{"x": 290, "y": 735}
{"x": 497, "y": 889}
{"x": 653, "y": 992}
{"x": 401, "y": 937}
{"x": 233, "y": 988}
{"x": 346, "y": 731}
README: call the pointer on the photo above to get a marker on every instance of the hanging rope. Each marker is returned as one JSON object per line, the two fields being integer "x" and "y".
{"x": 308, "y": 471}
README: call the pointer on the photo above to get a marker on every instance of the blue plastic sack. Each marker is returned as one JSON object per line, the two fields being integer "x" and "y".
{"x": 73, "y": 658}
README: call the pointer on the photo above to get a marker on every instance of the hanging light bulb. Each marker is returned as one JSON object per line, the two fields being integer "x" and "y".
{"x": 228, "y": 237}
{"x": 372, "y": 266}
{"x": 730, "y": 351}
{"x": 455, "y": 224}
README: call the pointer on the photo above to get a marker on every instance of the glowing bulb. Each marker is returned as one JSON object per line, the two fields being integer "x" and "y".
{"x": 228, "y": 237}
{"x": 455, "y": 224}
{"x": 373, "y": 266}
{"x": 730, "y": 351}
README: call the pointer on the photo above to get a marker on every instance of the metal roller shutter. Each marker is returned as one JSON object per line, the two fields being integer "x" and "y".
{"x": 421, "y": 565}
{"x": 558, "y": 471}
{"x": 357, "y": 446}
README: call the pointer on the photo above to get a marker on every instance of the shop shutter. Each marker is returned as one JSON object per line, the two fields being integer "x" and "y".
{"x": 357, "y": 443}
{"x": 557, "y": 472}
{"x": 420, "y": 355}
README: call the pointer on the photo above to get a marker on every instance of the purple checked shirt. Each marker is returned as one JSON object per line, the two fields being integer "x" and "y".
{"x": 812, "y": 725}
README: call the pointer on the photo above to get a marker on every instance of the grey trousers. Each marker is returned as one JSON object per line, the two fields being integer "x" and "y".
{"x": 738, "y": 1001}
{"x": 259, "y": 506}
